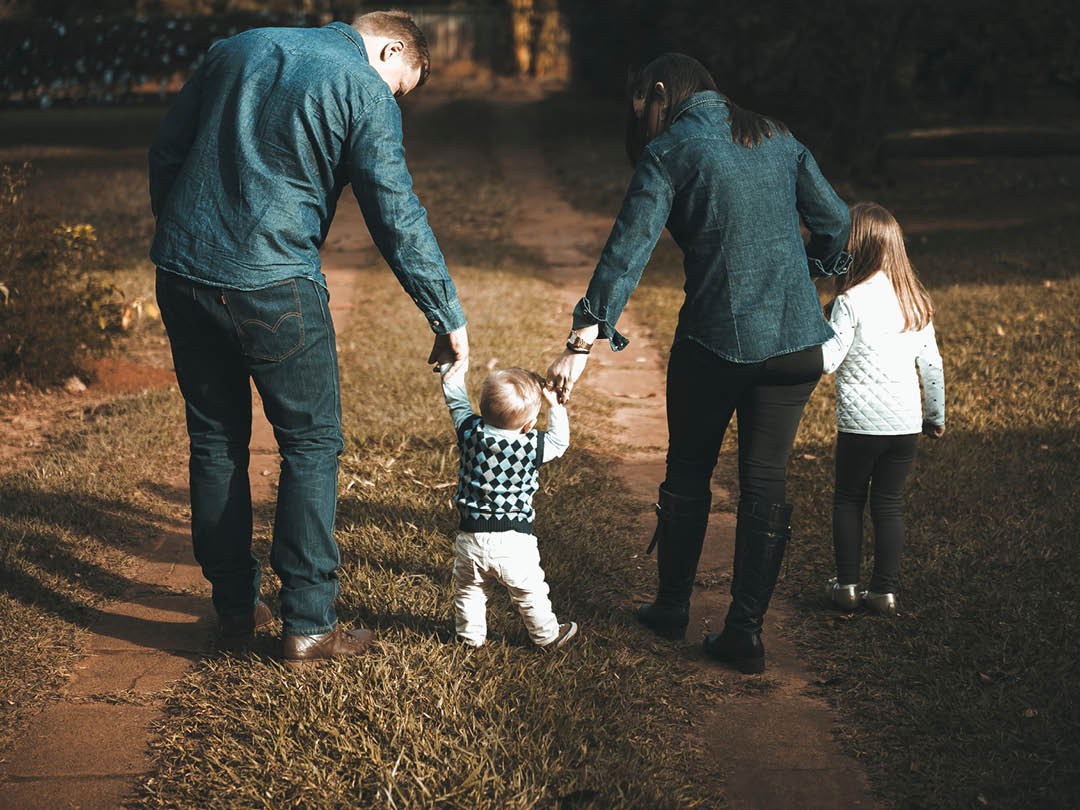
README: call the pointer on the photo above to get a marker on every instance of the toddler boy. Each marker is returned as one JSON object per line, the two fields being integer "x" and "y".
{"x": 501, "y": 453}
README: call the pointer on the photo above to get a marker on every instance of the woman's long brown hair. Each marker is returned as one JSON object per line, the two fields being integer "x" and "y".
{"x": 877, "y": 243}
{"x": 682, "y": 76}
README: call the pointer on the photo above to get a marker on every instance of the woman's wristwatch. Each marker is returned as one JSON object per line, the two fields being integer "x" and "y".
{"x": 575, "y": 344}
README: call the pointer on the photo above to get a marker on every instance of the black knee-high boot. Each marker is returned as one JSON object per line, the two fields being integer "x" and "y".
{"x": 762, "y": 531}
{"x": 680, "y": 533}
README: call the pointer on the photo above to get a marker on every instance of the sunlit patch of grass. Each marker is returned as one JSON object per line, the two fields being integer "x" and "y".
{"x": 422, "y": 721}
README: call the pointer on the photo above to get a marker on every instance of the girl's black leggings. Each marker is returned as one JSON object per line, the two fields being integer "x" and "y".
{"x": 880, "y": 465}
{"x": 704, "y": 390}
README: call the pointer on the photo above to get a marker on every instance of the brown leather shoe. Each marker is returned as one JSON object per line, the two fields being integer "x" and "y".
{"x": 299, "y": 650}
{"x": 238, "y": 629}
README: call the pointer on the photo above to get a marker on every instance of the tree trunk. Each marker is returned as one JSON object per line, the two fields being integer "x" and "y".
{"x": 521, "y": 24}
{"x": 548, "y": 43}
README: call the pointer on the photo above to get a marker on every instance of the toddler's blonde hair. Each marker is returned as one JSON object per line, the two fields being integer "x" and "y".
{"x": 510, "y": 398}
{"x": 877, "y": 243}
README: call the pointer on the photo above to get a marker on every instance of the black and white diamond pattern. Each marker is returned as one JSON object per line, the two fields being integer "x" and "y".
{"x": 498, "y": 477}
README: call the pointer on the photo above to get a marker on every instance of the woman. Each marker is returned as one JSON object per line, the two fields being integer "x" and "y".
{"x": 731, "y": 186}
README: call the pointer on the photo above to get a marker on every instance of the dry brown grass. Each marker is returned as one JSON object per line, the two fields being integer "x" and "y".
{"x": 969, "y": 698}
{"x": 421, "y": 722}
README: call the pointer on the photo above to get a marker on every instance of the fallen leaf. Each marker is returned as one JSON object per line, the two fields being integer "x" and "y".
{"x": 73, "y": 385}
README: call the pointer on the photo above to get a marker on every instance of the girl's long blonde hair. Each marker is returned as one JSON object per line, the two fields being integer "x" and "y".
{"x": 877, "y": 243}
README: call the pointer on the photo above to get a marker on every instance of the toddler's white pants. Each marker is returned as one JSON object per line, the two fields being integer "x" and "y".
{"x": 510, "y": 558}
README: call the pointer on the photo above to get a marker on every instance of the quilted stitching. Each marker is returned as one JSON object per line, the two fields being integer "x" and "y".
{"x": 877, "y": 384}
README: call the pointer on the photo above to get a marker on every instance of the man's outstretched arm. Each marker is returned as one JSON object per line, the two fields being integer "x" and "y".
{"x": 398, "y": 224}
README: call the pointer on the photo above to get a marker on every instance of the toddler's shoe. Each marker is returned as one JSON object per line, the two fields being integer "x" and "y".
{"x": 883, "y": 604}
{"x": 845, "y": 597}
{"x": 566, "y": 632}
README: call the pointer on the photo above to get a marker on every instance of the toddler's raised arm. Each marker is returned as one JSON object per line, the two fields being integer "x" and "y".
{"x": 456, "y": 396}
{"x": 557, "y": 435}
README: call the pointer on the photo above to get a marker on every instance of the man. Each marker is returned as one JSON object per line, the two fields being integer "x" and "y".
{"x": 245, "y": 174}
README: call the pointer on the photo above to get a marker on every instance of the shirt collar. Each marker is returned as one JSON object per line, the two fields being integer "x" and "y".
{"x": 352, "y": 35}
{"x": 503, "y": 433}
{"x": 705, "y": 98}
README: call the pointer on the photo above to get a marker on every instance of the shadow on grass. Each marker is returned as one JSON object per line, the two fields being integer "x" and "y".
{"x": 981, "y": 650}
{"x": 61, "y": 552}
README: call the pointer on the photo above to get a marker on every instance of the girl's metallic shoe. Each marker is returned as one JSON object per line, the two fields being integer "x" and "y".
{"x": 883, "y": 604}
{"x": 845, "y": 597}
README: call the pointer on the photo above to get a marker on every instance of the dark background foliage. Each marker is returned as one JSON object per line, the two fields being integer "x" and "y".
{"x": 841, "y": 72}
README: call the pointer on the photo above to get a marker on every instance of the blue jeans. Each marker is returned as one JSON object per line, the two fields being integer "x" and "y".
{"x": 282, "y": 337}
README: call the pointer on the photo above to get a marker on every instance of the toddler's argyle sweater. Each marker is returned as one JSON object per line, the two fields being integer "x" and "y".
{"x": 497, "y": 478}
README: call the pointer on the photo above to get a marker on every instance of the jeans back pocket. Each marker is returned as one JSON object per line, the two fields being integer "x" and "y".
{"x": 269, "y": 322}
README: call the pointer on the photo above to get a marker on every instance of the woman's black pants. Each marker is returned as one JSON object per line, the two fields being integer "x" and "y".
{"x": 704, "y": 390}
{"x": 878, "y": 464}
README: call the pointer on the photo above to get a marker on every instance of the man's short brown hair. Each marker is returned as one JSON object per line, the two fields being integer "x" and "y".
{"x": 510, "y": 398}
{"x": 397, "y": 24}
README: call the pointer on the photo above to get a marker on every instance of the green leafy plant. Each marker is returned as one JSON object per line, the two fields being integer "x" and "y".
{"x": 54, "y": 309}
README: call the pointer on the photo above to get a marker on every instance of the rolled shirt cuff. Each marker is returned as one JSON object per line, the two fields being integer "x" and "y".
{"x": 446, "y": 319}
{"x": 585, "y": 315}
{"x": 840, "y": 265}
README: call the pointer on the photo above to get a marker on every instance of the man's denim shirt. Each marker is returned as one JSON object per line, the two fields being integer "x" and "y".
{"x": 247, "y": 167}
{"x": 735, "y": 213}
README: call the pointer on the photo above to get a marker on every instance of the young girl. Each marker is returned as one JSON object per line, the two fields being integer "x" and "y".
{"x": 882, "y": 319}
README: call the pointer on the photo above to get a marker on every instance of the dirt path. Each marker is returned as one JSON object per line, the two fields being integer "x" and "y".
{"x": 90, "y": 749}
{"x": 773, "y": 749}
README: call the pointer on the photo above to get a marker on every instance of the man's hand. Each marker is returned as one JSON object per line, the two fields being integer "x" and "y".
{"x": 564, "y": 372}
{"x": 932, "y": 430}
{"x": 452, "y": 348}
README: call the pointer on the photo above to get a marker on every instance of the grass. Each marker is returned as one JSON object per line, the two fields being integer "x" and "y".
{"x": 422, "y": 722}
{"x": 73, "y": 519}
{"x": 969, "y": 698}
{"x": 70, "y": 525}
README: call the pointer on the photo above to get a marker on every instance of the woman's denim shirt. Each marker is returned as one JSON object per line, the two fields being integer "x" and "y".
{"x": 247, "y": 167}
{"x": 735, "y": 213}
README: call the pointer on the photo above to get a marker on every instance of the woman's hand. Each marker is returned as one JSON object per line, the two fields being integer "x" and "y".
{"x": 563, "y": 373}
